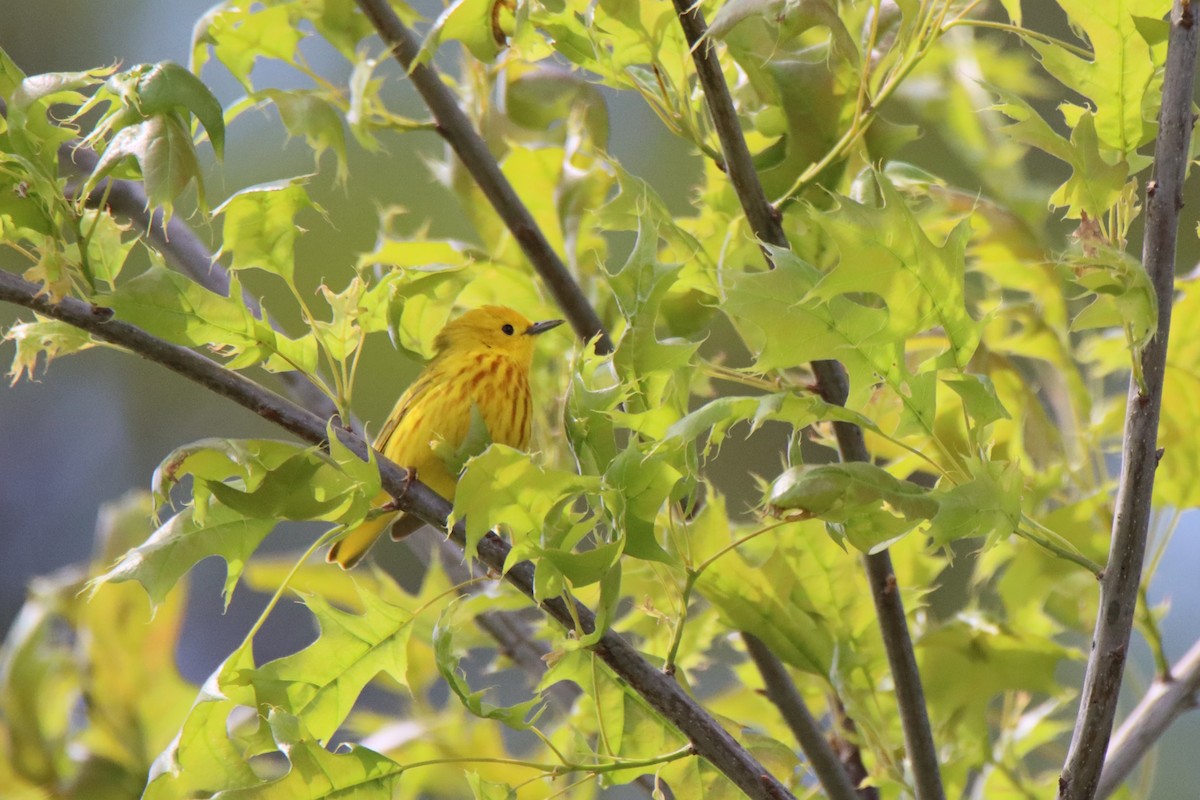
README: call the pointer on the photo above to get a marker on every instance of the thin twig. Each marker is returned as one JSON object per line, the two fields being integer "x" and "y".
{"x": 1167, "y": 698}
{"x": 456, "y": 128}
{"x": 833, "y": 386}
{"x": 662, "y": 693}
{"x": 1139, "y": 458}
{"x": 782, "y": 692}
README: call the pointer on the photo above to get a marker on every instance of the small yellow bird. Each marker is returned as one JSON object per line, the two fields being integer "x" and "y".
{"x": 481, "y": 359}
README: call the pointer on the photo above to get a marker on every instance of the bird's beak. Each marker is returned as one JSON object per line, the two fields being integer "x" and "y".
{"x": 542, "y": 327}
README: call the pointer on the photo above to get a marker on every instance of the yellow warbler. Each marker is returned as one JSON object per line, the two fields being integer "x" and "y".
{"x": 481, "y": 360}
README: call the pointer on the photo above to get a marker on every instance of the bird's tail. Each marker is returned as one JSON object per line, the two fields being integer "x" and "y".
{"x": 350, "y": 549}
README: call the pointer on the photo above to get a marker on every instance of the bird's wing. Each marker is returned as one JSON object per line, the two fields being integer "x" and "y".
{"x": 402, "y": 408}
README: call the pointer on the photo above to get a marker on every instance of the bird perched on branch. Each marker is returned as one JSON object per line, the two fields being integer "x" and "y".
{"x": 481, "y": 361}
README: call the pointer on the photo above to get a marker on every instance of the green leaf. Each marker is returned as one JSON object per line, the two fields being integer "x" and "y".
{"x": 162, "y": 150}
{"x": 640, "y": 485}
{"x": 862, "y": 502}
{"x": 785, "y": 326}
{"x": 625, "y": 726}
{"x": 107, "y": 246}
{"x": 587, "y": 567}
{"x": 260, "y": 231}
{"x": 173, "y": 307}
{"x": 1121, "y": 71}
{"x": 996, "y": 659}
{"x": 504, "y": 486}
{"x": 305, "y": 487}
{"x": 204, "y": 756}
{"x": 770, "y": 602}
{"x": 38, "y": 679}
{"x": 477, "y": 440}
{"x": 478, "y": 24}
{"x": 1173, "y": 481}
{"x": 885, "y": 251}
{"x": 487, "y": 790}
{"x": 715, "y": 418}
{"x": 182, "y": 542}
{"x": 1095, "y": 185}
{"x": 540, "y": 98}
{"x": 979, "y": 398}
{"x": 312, "y": 115}
{"x": 987, "y": 505}
{"x": 207, "y": 460}
{"x": 321, "y": 683}
{"x": 1123, "y": 295}
{"x": 47, "y": 337}
{"x": 640, "y": 286}
{"x": 448, "y": 660}
{"x": 165, "y": 89}
{"x": 240, "y": 35}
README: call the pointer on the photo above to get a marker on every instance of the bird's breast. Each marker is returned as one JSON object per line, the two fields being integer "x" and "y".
{"x": 499, "y": 387}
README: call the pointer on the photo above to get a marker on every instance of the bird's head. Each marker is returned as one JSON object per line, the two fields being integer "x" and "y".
{"x": 492, "y": 327}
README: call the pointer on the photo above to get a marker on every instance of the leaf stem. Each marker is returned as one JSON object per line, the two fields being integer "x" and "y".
{"x": 1024, "y": 33}
{"x": 1051, "y": 540}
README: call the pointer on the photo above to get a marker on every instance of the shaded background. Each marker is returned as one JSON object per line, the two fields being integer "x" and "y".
{"x": 98, "y": 424}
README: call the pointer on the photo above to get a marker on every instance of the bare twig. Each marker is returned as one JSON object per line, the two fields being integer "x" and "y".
{"x": 844, "y": 740}
{"x": 456, "y": 128}
{"x": 782, "y": 692}
{"x": 1169, "y": 696}
{"x": 834, "y": 388}
{"x": 1123, "y": 574}
{"x": 662, "y": 693}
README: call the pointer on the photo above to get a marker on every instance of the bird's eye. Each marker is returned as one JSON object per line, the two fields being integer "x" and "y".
{"x": 508, "y": 329}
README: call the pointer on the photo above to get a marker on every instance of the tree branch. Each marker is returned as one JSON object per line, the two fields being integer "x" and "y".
{"x": 1168, "y": 697}
{"x": 411, "y": 496}
{"x": 182, "y": 249}
{"x": 1139, "y": 459}
{"x": 833, "y": 386}
{"x": 782, "y": 692}
{"x": 456, "y": 128}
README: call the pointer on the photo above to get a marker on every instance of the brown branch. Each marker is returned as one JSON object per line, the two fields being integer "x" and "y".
{"x": 661, "y": 692}
{"x": 1139, "y": 459}
{"x": 782, "y": 692}
{"x": 1168, "y": 697}
{"x": 833, "y": 386}
{"x": 456, "y": 128}
{"x": 184, "y": 251}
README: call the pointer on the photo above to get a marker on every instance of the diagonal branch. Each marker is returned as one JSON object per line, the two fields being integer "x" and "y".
{"x": 833, "y": 386}
{"x": 1139, "y": 458}
{"x": 782, "y": 692}
{"x": 1167, "y": 698}
{"x": 184, "y": 251}
{"x": 456, "y": 128}
{"x": 660, "y": 691}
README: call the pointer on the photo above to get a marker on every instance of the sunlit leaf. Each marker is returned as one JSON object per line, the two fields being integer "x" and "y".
{"x": 182, "y": 542}
{"x": 260, "y": 230}
{"x": 448, "y": 659}
{"x": 321, "y": 683}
